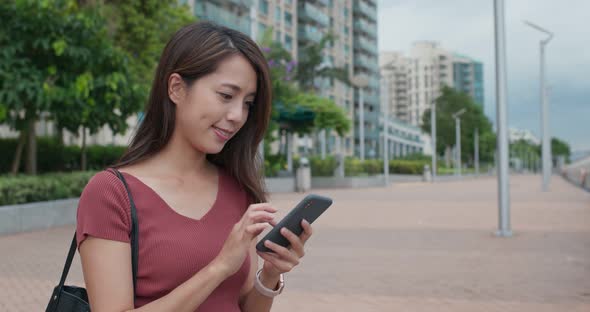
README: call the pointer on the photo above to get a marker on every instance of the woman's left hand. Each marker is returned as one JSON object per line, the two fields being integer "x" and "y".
{"x": 283, "y": 259}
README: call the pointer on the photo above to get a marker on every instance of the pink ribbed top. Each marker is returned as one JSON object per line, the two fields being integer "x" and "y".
{"x": 172, "y": 247}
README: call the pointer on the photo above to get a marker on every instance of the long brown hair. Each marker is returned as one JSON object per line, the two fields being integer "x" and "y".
{"x": 193, "y": 52}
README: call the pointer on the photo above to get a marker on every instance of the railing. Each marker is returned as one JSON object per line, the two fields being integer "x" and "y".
{"x": 310, "y": 33}
{"x": 211, "y": 12}
{"x": 578, "y": 173}
{"x": 365, "y": 9}
{"x": 368, "y": 28}
{"x": 313, "y": 13}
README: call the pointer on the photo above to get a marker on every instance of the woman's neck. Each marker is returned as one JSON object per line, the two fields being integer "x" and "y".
{"x": 179, "y": 158}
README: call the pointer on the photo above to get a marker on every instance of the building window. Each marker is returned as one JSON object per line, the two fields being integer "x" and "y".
{"x": 278, "y": 14}
{"x": 277, "y": 36}
{"x": 346, "y": 13}
{"x": 288, "y": 19}
{"x": 261, "y": 28}
{"x": 263, "y": 7}
{"x": 346, "y": 30}
{"x": 288, "y": 42}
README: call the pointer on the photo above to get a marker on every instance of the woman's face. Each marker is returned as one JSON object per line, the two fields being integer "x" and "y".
{"x": 216, "y": 106}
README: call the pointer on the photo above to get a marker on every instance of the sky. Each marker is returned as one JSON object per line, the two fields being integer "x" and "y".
{"x": 467, "y": 27}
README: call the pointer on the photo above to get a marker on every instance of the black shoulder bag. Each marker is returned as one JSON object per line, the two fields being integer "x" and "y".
{"x": 75, "y": 299}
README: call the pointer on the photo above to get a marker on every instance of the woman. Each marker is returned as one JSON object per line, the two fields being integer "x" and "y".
{"x": 192, "y": 172}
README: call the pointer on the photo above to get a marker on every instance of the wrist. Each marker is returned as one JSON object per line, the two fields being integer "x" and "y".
{"x": 219, "y": 268}
{"x": 270, "y": 279}
{"x": 269, "y": 288}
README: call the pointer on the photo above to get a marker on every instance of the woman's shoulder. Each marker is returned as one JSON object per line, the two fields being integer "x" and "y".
{"x": 104, "y": 185}
{"x": 105, "y": 180}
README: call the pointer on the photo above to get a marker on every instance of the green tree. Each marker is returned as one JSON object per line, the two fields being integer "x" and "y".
{"x": 560, "y": 148}
{"x": 312, "y": 65}
{"x": 289, "y": 96}
{"x": 449, "y": 102}
{"x": 34, "y": 36}
{"x": 59, "y": 58}
{"x": 142, "y": 28}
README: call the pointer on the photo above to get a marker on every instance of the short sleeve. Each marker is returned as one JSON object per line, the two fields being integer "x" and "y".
{"x": 103, "y": 210}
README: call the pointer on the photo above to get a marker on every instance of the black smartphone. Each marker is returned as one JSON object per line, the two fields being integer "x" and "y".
{"x": 310, "y": 208}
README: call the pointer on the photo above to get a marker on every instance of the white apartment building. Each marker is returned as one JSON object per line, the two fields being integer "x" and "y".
{"x": 427, "y": 69}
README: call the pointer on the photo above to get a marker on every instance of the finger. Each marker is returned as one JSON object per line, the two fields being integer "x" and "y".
{"x": 283, "y": 252}
{"x": 296, "y": 243}
{"x": 262, "y": 206}
{"x": 281, "y": 265}
{"x": 307, "y": 231}
{"x": 258, "y": 217}
{"x": 256, "y": 229}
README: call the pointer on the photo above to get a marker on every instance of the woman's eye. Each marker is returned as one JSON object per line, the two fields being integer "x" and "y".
{"x": 225, "y": 96}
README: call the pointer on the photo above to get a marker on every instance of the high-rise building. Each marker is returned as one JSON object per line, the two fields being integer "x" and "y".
{"x": 366, "y": 62}
{"x": 427, "y": 69}
{"x": 468, "y": 77}
{"x": 395, "y": 68}
{"x": 297, "y": 23}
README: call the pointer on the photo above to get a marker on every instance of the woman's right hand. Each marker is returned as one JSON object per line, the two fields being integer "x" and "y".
{"x": 235, "y": 249}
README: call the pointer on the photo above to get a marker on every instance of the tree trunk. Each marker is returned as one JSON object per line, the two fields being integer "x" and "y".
{"x": 31, "y": 164}
{"x": 83, "y": 150}
{"x": 280, "y": 142}
{"x": 59, "y": 133}
{"x": 19, "y": 152}
{"x": 448, "y": 156}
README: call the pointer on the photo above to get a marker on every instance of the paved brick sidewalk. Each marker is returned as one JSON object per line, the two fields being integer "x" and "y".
{"x": 410, "y": 247}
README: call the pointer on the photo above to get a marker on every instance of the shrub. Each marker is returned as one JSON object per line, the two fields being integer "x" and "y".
{"x": 323, "y": 167}
{"x": 52, "y": 156}
{"x": 25, "y": 189}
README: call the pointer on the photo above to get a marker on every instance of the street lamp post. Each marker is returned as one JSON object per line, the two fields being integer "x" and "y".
{"x": 386, "y": 130}
{"x": 546, "y": 149}
{"x": 458, "y": 141}
{"x": 476, "y": 151}
{"x": 433, "y": 137}
{"x": 502, "y": 120}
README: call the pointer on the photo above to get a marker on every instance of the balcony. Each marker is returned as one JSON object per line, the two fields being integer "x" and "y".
{"x": 370, "y": 117}
{"x": 312, "y": 14}
{"x": 374, "y": 82}
{"x": 367, "y": 28}
{"x": 366, "y": 10}
{"x": 241, "y": 3}
{"x": 212, "y": 12}
{"x": 325, "y": 3}
{"x": 366, "y": 62}
{"x": 364, "y": 44}
{"x": 310, "y": 33}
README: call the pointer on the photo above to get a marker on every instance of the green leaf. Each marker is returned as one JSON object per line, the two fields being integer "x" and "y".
{"x": 59, "y": 46}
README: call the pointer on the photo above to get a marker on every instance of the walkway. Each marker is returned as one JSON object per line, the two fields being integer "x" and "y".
{"x": 410, "y": 247}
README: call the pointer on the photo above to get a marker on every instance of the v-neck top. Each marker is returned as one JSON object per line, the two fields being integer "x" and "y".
{"x": 172, "y": 247}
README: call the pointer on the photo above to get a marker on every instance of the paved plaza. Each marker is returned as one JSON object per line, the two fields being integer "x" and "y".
{"x": 408, "y": 247}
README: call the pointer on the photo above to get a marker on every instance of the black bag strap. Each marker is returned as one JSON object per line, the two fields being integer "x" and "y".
{"x": 134, "y": 241}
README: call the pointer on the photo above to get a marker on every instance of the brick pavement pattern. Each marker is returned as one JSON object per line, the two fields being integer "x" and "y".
{"x": 408, "y": 247}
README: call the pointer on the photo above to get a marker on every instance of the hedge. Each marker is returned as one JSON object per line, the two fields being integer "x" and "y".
{"x": 22, "y": 189}
{"x": 52, "y": 156}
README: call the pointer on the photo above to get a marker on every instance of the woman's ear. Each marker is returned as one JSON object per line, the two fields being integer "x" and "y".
{"x": 176, "y": 89}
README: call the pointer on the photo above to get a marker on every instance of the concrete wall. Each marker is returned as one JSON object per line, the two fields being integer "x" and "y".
{"x": 37, "y": 216}
{"x": 44, "y": 215}
{"x": 280, "y": 185}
